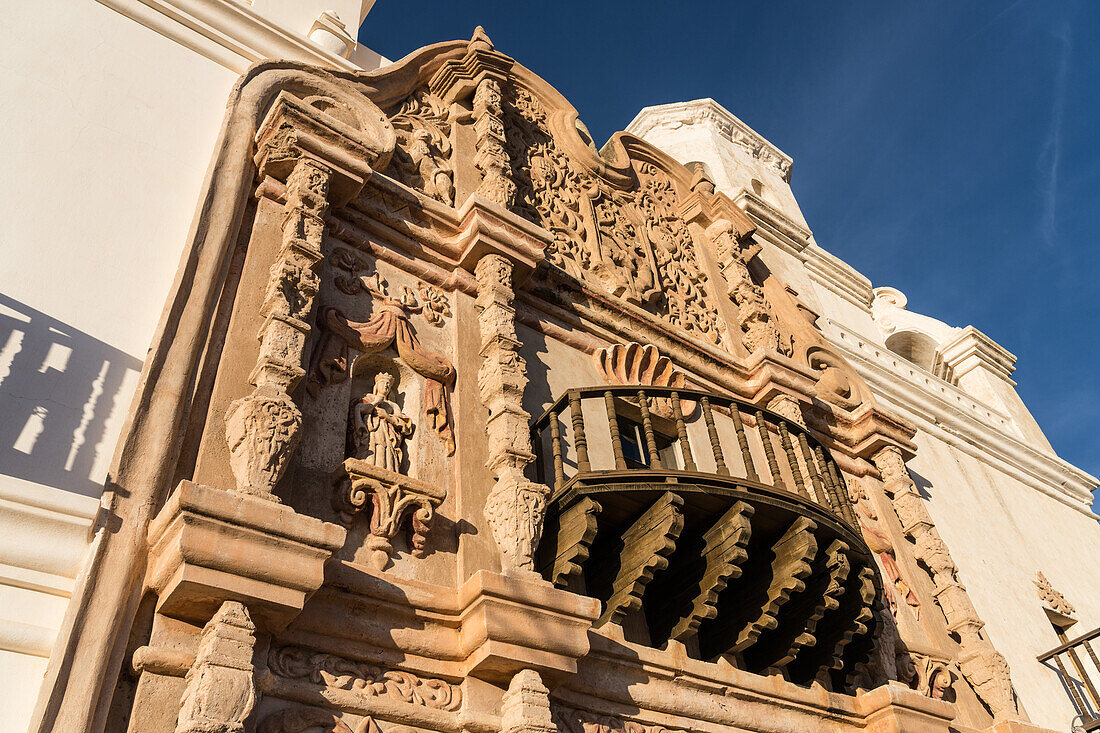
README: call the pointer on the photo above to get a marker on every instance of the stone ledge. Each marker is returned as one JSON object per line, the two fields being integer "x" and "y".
{"x": 513, "y": 622}
{"x": 210, "y": 545}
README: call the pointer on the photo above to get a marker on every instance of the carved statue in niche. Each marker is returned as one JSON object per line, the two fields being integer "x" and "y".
{"x": 880, "y": 543}
{"x": 389, "y": 324}
{"x": 378, "y": 428}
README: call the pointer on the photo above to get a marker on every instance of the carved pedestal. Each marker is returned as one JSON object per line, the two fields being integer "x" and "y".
{"x": 394, "y": 500}
{"x": 209, "y": 546}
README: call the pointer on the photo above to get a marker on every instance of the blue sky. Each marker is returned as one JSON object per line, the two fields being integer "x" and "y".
{"x": 947, "y": 148}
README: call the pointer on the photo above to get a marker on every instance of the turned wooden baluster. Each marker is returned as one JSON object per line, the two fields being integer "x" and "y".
{"x": 830, "y": 487}
{"x": 613, "y": 422}
{"x": 844, "y": 505}
{"x": 796, "y": 470}
{"x": 579, "y": 441}
{"x": 769, "y": 451}
{"x": 815, "y": 478}
{"x": 1069, "y": 684}
{"x": 681, "y": 432}
{"x": 743, "y": 441}
{"x": 715, "y": 445}
{"x": 555, "y": 441}
{"x": 647, "y": 428}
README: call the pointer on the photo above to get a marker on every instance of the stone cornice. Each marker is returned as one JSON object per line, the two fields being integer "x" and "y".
{"x": 226, "y": 32}
{"x": 972, "y": 349}
{"x": 709, "y": 112}
{"x": 838, "y": 276}
{"x": 783, "y": 230}
{"x": 985, "y": 439}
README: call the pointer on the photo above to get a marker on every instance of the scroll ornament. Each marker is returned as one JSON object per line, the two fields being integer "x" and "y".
{"x": 389, "y": 324}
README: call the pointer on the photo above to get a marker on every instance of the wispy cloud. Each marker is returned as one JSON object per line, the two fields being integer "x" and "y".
{"x": 1051, "y": 152}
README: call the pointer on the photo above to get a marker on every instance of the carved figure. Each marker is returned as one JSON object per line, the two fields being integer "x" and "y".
{"x": 434, "y": 171}
{"x": 378, "y": 427}
{"x": 879, "y": 542}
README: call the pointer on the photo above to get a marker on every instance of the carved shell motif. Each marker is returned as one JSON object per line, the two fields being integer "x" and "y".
{"x": 634, "y": 363}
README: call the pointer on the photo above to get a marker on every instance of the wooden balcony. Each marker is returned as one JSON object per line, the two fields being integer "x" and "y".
{"x": 710, "y": 522}
{"x": 1079, "y": 669}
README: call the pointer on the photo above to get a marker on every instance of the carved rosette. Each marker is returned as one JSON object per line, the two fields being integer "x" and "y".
{"x": 981, "y": 664}
{"x": 515, "y": 508}
{"x": 262, "y": 429}
{"x": 220, "y": 690}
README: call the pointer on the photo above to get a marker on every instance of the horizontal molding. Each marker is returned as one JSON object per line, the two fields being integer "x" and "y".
{"x": 21, "y": 638}
{"x": 981, "y": 439}
{"x": 225, "y": 32}
{"x": 44, "y": 531}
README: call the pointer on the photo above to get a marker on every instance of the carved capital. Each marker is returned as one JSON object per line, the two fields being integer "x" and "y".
{"x": 394, "y": 502}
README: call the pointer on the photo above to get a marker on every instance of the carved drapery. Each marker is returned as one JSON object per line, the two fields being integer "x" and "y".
{"x": 516, "y": 506}
{"x": 981, "y": 664}
{"x": 389, "y": 324}
{"x": 220, "y": 691}
{"x": 262, "y": 429}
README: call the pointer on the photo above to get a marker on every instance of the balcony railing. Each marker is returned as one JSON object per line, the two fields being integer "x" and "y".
{"x": 657, "y": 433}
{"x": 707, "y": 521}
{"x": 1080, "y": 678}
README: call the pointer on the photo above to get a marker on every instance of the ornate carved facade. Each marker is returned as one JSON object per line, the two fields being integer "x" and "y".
{"x": 466, "y": 426}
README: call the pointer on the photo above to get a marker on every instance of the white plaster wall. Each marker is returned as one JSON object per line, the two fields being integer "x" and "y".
{"x": 1001, "y": 533}
{"x": 109, "y": 127}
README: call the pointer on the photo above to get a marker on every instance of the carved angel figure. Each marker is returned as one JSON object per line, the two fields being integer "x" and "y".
{"x": 378, "y": 428}
{"x": 432, "y": 167}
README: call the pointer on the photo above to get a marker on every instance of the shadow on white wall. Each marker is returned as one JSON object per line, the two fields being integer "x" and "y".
{"x": 63, "y": 398}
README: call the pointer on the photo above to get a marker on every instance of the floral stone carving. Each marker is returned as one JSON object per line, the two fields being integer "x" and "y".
{"x": 1051, "y": 598}
{"x": 394, "y": 501}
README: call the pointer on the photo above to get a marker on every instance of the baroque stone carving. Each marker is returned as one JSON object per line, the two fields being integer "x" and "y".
{"x": 515, "y": 508}
{"x": 378, "y": 428}
{"x": 880, "y": 543}
{"x": 393, "y": 501}
{"x": 427, "y": 300}
{"x": 220, "y": 691}
{"x": 389, "y": 324}
{"x": 1051, "y": 598}
{"x": 981, "y": 664}
{"x": 759, "y": 326}
{"x": 365, "y": 680}
{"x": 262, "y": 429}
{"x": 526, "y": 705}
{"x": 633, "y": 243}
{"x": 634, "y": 363}
{"x": 422, "y": 156}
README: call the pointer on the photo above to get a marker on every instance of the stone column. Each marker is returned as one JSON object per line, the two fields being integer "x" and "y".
{"x": 220, "y": 690}
{"x": 515, "y": 507}
{"x": 981, "y": 664}
{"x": 262, "y": 428}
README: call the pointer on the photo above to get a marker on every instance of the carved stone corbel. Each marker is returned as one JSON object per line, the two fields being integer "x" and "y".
{"x": 395, "y": 501}
{"x": 515, "y": 508}
{"x": 981, "y": 664}
{"x": 220, "y": 690}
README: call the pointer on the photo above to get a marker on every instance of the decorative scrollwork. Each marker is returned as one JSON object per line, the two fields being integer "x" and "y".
{"x": 366, "y": 680}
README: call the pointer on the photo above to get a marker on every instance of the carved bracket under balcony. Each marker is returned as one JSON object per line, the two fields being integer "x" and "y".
{"x": 725, "y": 529}
{"x": 394, "y": 502}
